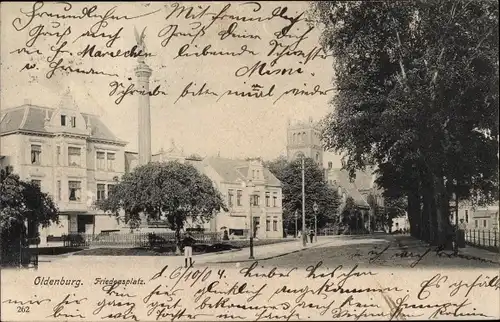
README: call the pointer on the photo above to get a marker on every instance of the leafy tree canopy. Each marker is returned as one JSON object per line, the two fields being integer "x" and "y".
{"x": 170, "y": 190}
{"x": 23, "y": 201}
{"x": 418, "y": 90}
{"x": 316, "y": 190}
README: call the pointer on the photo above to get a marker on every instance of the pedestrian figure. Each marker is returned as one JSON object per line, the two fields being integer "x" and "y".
{"x": 188, "y": 243}
{"x": 225, "y": 236}
{"x": 311, "y": 235}
{"x": 462, "y": 228}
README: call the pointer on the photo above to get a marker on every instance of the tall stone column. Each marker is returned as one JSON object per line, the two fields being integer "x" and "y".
{"x": 143, "y": 73}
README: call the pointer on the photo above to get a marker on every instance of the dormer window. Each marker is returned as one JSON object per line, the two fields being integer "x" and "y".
{"x": 63, "y": 120}
{"x": 73, "y": 121}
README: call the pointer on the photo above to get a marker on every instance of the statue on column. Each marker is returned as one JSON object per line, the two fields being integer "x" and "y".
{"x": 141, "y": 44}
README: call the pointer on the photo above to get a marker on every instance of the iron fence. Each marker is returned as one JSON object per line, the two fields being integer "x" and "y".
{"x": 135, "y": 239}
{"x": 482, "y": 237}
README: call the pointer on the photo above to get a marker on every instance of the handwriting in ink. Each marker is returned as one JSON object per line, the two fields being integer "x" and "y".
{"x": 256, "y": 92}
{"x": 202, "y": 91}
{"x": 235, "y": 289}
{"x": 183, "y": 52}
{"x": 26, "y": 302}
{"x": 86, "y": 13}
{"x": 109, "y": 43}
{"x": 249, "y": 272}
{"x": 24, "y": 50}
{"x": 493, "y": 282}
{"x": 55, "y": 66}
{"x": 110, "y": 290}
{"x": 260, "y": 68}
{"x": 130, "y": 90}
{"x": 61, "y": 306}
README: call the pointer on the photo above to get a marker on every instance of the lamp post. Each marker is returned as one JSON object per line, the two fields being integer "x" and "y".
{"x": 315, "y": 208}
{"x": 296, "y": 216}
{"x": 250, "y": 187}
{"x": 304, "y": 236}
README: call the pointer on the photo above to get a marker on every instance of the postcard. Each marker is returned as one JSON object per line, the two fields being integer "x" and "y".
{"x": 249, "y": 161}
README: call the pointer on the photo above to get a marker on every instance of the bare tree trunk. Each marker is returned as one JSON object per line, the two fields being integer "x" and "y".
{"x": 443, "y": 237}
{"x": 177, "y": 240}
{"x": 414, "y": 213}
{"x": 427, "y": 193}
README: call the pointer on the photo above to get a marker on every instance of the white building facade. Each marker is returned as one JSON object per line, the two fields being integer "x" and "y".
{"x": 72, "y": 156}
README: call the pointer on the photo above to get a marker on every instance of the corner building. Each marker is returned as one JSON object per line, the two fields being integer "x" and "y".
{"x": 73, "y": 156}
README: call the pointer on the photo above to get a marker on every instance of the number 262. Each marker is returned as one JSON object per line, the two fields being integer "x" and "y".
{"x": 23, "y": 309}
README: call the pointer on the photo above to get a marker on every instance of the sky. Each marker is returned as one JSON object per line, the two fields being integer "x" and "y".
{"x": 234, "y": 127}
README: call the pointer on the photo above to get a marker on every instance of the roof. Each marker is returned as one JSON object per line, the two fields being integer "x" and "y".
{"x": 233, "y": 170}
{"x": 32, "y": 118}
{"x": 351, "y": 188}
{"x": 485, "y": 213}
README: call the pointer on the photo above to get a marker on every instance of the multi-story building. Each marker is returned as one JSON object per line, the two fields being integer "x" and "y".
{"x": 483, "y": 218}
{"x": 304, "y": 139}
{"x": 73, "y": 156}
{"x": 249, "y": 189}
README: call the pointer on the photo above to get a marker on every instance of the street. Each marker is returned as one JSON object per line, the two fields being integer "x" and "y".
{"x": 339, "y": 277}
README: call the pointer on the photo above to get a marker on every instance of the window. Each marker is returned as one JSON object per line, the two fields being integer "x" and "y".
{"x": 268, "y": 199}
{"x": 230, "y": 198}
{"x": 484, "y": 223}
{"x": 58, "y": 155}
{"x": 330, "y": 165}
{"x": 101, "y": 163}
{"x": 73, "y": 121}
{"x": 36, "y": 151}
{"x": 74, "y": 157}
{"x": 238, "y": 197}
{"x": 275, "y": 200}
{"x": 253, "y": 174}
{"x": 63, "y": 120}
{"x": 475, "y": 223}
{"x": 74, "y": 190}
{"x": 268, "y": 225}
{"x": 59, "y": 190}
{"x": 110, "y": 189}
{"x": 101, "y": 191}
{"x": 467, "y": 216}
{"x": 255, "y": 200}
{"x": 275, "y": 225}
{"x": 37, "y": 182}
{"x": 111, "y": 161}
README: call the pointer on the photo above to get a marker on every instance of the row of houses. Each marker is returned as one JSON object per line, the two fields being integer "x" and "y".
{"x": 76, "y": 159}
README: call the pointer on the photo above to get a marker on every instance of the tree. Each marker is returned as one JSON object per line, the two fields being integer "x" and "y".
{"x": 316, "y": 190}
{"x": 171, "y": 190}
{"x": 23, "y": 208}
{"x": 418, "y": 97}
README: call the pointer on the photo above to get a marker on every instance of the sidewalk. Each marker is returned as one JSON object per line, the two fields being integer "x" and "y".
{"x": 470, "y": 251}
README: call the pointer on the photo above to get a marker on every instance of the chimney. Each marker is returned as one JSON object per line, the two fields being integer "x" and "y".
{"x": 27, "y": 101}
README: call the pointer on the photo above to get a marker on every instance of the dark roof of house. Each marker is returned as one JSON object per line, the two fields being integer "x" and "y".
{"x": 231, "y": 170}
{"x": 351, "y": 188}
{"x": 32, "y": 118}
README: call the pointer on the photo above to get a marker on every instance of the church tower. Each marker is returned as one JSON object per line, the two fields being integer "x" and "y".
{"x": 303, "y": 138}
{"x": 143, "y": 73}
